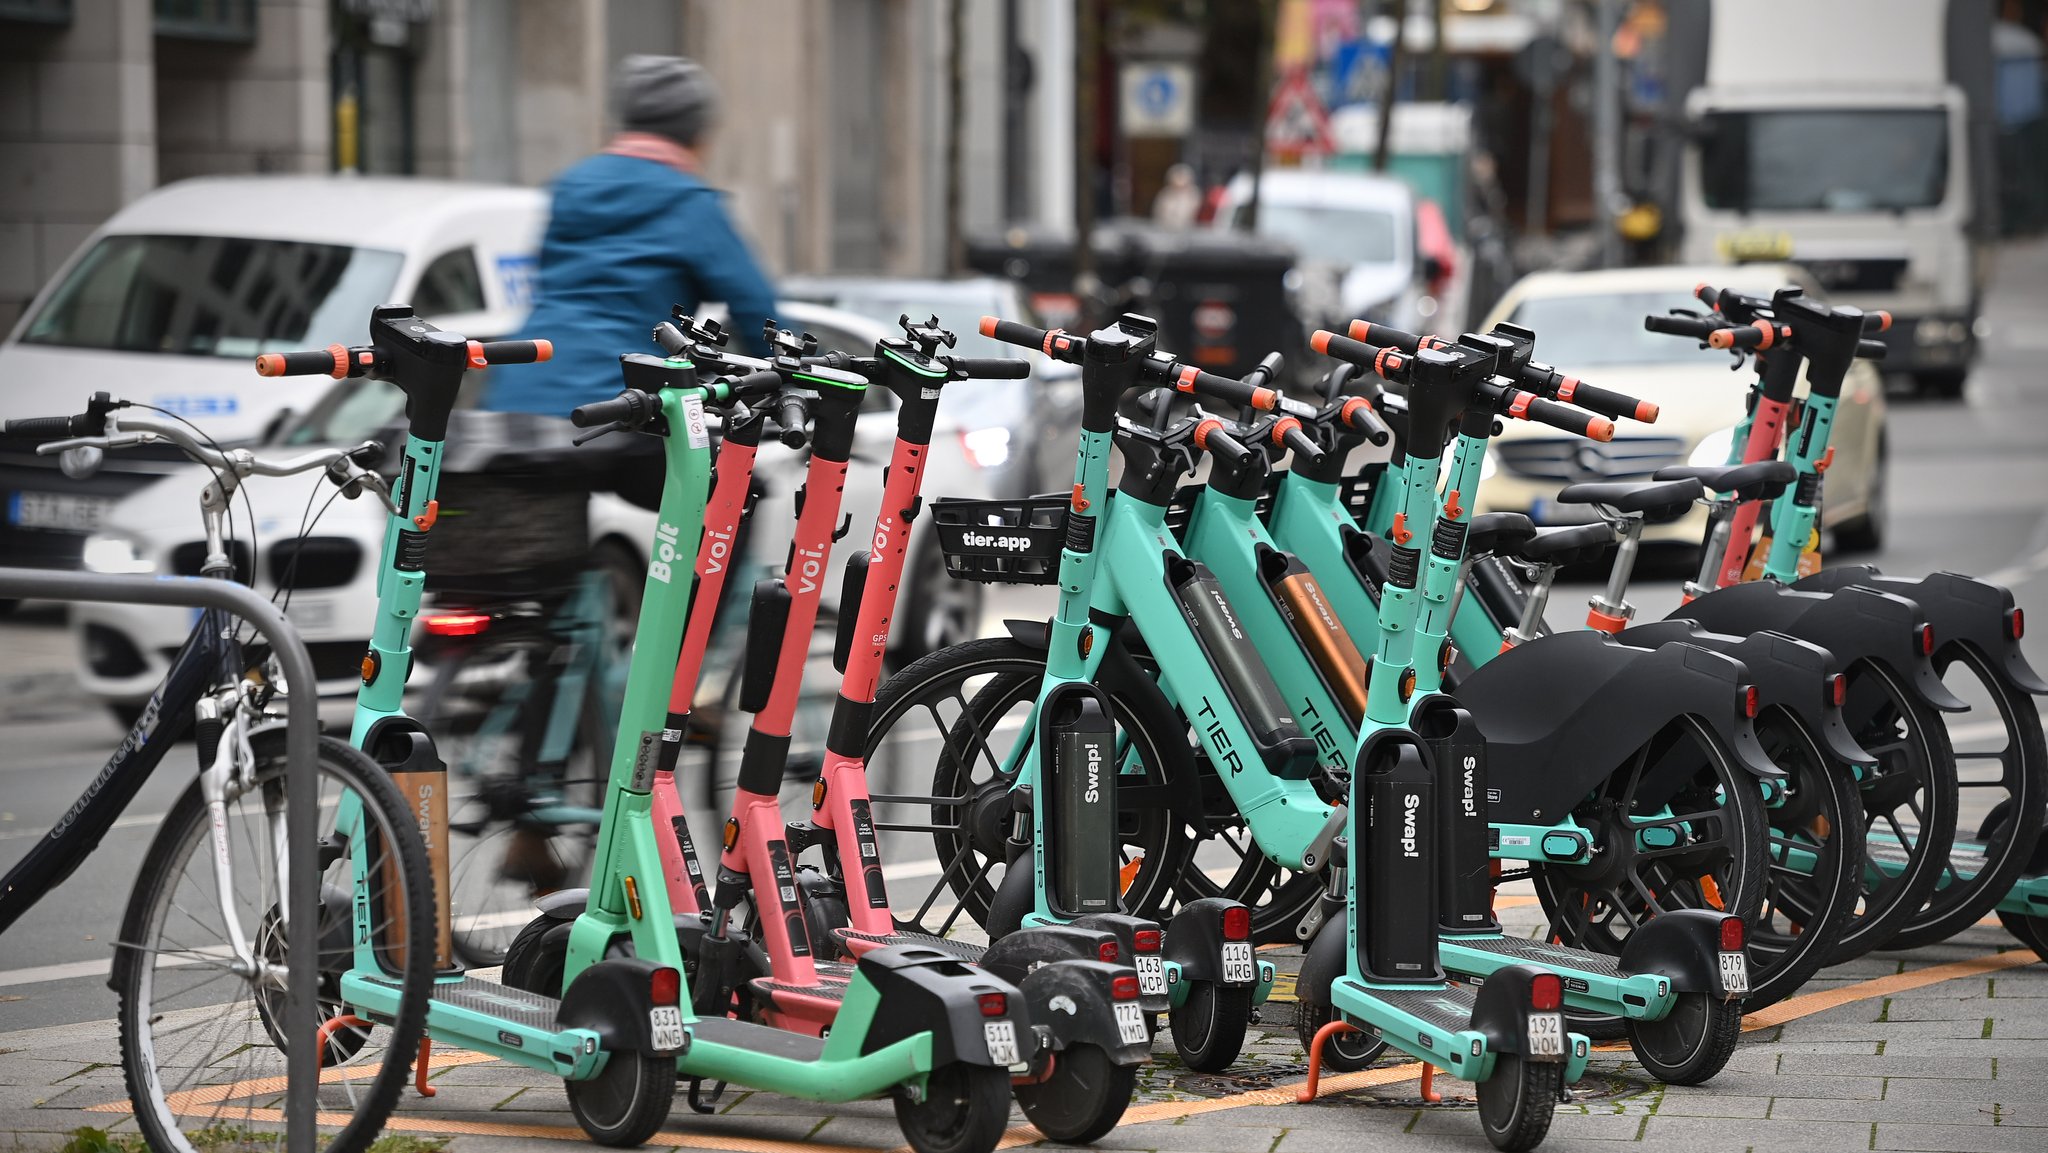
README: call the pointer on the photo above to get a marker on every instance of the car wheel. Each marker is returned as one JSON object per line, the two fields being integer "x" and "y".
{"x": 936, "y": 609}
{"x": 1866, "y": 533}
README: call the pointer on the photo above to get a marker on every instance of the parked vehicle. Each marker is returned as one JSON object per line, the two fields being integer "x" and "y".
{"x": 1592, "y": 324}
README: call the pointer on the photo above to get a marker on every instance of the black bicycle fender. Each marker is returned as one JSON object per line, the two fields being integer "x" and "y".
{"x": 1017, "y": 953}
{"x": 1854, "y": 623}
{"x": 1501, "y": 1009}
{"x": 1961, "y": 608}
{"x": 1323, "y": 963}
{"x": 1683, "y": 945}
{"x": 1075, "y": 1001}
{"x": 1787, "y": 672}
{"x": 610, "y": 999}
{"x": 1194, "y": 939}
{"x": 935, "y": 993}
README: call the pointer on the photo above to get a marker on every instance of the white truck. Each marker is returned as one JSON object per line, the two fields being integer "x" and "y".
{"x": 1856, "y": 138}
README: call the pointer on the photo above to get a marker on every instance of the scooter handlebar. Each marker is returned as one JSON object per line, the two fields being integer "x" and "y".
{"x": 1226, "y": 389}
{"x": 793, "y": 418}
{"x": 1760, "y": 335}
{"x": 1606, "y": 402}
{"x": 990, "y": 367}
{"x": 488, "y": 352}
{"x": 1366, "y": 332}
{"x": 1211, "y": 438}
{"x": 1288, "y": 434}
{"x": 1054, "y": 343}
{"x": 1386, "y": 362}
{"x": 1692, "y": 326}
{"x": 1529, "y": 406}
{"x": 1868, "y": 349}
{"x": 1357, "y": 413}
{"x": 330, "y": 361}
{"x": 631, "y": 408}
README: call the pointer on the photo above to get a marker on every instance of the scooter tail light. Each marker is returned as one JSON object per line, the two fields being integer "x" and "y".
{"x": 2016, "y": 623}
{"x": 455, "y": 624}
{"x": 1146, "y": 940}
{"x": 665, "y": 986}
{"x": 1237, "y": 923}
{"x": 1107, "y": 951}
{"x": 1926, "y": 640}
{"x": 1733, "y": 935}
{"x": 1546, "y": 992}
{"x": 1838, "y": 689}
{"x": 993, "y": 1004}
{"x": 1752, "y": 701}
{"x": 1124, "y": 988}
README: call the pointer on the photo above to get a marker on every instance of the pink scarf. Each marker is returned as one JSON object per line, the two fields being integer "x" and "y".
{"x": 655, "y": 147}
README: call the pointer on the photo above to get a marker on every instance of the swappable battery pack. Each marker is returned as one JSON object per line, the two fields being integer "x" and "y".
{"x": 1395, "y": 859}
{"x": 1081, "y": 742}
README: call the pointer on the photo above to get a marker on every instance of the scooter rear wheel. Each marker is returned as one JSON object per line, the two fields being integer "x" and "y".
{"x": 627, "y": 1101}
{"x": 1818, "y": 817}
{"x": 965, "y": 1110}
{"x": 1518, "y": 1101}
{"x": 1692, "y": 1042}
{"x": 1082, "y": 1099}
{"x": 1209, "y": 1027}
{"x": 1343, "y": 1052}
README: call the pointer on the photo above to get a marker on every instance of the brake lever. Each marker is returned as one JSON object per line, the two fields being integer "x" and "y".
{"x": 600, "y": 430}
{"x": 120, "y": 440}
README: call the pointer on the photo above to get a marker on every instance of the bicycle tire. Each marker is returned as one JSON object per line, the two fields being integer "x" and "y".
{"x": 146, "y": 1023}
{"x": 1805, "y": 910}
{"x": 974, "y": 832}
{"x": 1952, "y": 906}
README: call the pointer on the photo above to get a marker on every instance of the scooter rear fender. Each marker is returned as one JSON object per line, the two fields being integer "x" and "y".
{"x": 921, "y": 990}
{"x": 1076, "y": 1002}
{"x": 1018, "y": 952}
{"x": 1960, "y": 608}
{"x": 611, "y": 999}
{"x": 1787, "y": 672}
{"x": 1854, "y": 623}
{"x": 1194, "y": 939}
{"x": 1684, "y": 945}
{"x": 1125, "y": 928}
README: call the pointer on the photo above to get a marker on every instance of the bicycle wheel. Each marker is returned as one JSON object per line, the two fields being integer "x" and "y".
{"x": 1909, "y": 805}
{"x": 200, "y": 1035}
{"x": 1816, "y": 862}
{"x": 1701, "y": 847}
{"x": 519, "y": 824}
{"x": 2001, "y": 764}
{"x": 957, "y": 714}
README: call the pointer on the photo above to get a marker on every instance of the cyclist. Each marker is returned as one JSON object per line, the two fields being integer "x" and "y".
{"x": 630, "y": 232}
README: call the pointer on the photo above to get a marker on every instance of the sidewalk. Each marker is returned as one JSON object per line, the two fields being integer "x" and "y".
{"x": 1945, "y": 1048}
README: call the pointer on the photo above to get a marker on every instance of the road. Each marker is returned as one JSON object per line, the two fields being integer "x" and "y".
{"x": 52, "y": 963}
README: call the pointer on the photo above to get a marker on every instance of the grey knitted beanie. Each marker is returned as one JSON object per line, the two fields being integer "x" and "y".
{"x": 668, "y": 95}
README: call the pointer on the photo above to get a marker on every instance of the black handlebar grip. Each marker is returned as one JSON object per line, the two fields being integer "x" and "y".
{"x": 1387, "y": 362}
{"x": 1358, "y": 413}
{"x": 629, "y": 407}
{"x": 1690, "y": 326}
{"x": 793, "y": 415}
{"x": 759, "y": 383}
{"x": 1288, "y": 434}
{"x": 330, "y": 361}
{"x": 1529, "y": 406}
{"x": 671, "y": 339}
{"x": 1227, "y": 389}
{"x": 1606, "y": 402}
{"x": 1760, "y": 335}
{"x": 1707, "y": 294}
{"x": 1868, "y": 349}
{"x": 1210, "y": 438}
{"x": 483, "y": 353}
{"x": 1054, "y": 343}
{"x": 990, "y": 367}
{"x": 1877, "y": 320}
{"x": 45, "y": 427}
{"x": 1366, "y": 332}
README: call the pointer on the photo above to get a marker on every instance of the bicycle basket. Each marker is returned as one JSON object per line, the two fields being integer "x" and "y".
{"x": 1013, "y": 542}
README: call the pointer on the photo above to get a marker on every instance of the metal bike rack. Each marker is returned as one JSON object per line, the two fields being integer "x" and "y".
{"x": 302, "y": 741}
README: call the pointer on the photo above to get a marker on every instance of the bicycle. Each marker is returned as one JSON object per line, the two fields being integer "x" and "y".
{"x": 200, "y": 960}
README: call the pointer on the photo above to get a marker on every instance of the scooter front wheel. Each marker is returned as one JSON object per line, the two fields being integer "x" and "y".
{"x": 627, "y": 1101}
{"x": 965, "y": 1109}
{"x": 1692, "y": 1042}
{"x": 1344, "y": 1052}
{"x": 1517, "y": 1102}
{"x": 1082, "y": 1099}
{"x": 1209, "y": 1027}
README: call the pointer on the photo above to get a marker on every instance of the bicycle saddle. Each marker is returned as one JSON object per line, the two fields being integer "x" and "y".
{"x": 1763, "y": 480}
{"x": 1498, "y": 532}
{"x": 1579, "y": 544}
{"x": 1658, "y": 502}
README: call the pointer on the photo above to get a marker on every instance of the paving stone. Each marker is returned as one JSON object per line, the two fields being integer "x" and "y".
{"x": 1722, "y": 1134}
{"x": 1346, "y": 1140}
{"x": 1713, "y": 1104}
{"x": 1192, "y": 1135}
{"x": 1913, "y": 1110}
{"x": 1941, "y": 1089}
{"x": 1752, "y": 1084}
{"x": 1951, "y": 1139}
{"x": 1796, "y": 1064}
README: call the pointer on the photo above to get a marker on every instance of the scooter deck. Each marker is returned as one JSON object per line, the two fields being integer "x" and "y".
{"x": 857, "y": 942}
{"x": 1592, "y": 981}
{"x": 1512, "y": 950}
{"x": 505, "y": 1022}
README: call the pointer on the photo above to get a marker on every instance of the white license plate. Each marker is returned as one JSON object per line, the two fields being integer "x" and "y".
{"x": 57, "y": 510}
{"x": 1546, "y": 1034}
{"x": 1237, "y": 963}
{"x": 1130, "y": 1023}
{"x": 1002, "y": 1041}
{"x": 310, "y": 614}
{"x": 1735, "y": 972}
{"x": 665, "y": 1024}
{"x": 1151, "y": 975}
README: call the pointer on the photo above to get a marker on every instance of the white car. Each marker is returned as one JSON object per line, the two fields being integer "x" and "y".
{"x": 169, "y": 302}
{"x": 1356, "y": 242}
{"x": 126, "y": 649}
{"x": 1590, "y": 324}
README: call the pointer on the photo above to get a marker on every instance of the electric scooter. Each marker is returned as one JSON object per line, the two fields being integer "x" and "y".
{"x": 622, "y": 1032}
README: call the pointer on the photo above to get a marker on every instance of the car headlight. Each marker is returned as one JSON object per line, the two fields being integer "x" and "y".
{"x": 1713, "y": 449}
{"x": 986, "y": 447}
{"x": 115, "y": 553}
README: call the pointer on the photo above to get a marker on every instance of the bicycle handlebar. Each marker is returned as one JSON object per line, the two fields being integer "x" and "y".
{"x": 53, "y": 427}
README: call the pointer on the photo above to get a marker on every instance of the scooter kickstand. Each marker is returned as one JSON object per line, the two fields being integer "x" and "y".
{"x": 1307, "y": 1092}
{"x": 424, "y": 1066}
{"x": 697, "y": 1099}
{"x": 1429, "y": 1092}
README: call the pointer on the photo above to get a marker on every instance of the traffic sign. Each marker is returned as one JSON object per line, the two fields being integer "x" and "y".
{"x": 1158, "y": 99}
{"x": 1296, "y": 123}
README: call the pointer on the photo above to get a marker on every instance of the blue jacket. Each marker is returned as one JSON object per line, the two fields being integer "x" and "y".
{"x": 626, "y": 239}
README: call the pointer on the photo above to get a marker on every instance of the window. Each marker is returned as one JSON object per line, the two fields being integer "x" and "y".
{"x": 1849, "y": 160}
{"x": 450, "y": 285}
{"x": 36, "y": 11}
{"x": 207, "y": 19}
{"x": 214, "y": 295}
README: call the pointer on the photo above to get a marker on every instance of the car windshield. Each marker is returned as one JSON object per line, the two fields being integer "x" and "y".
{"x": 1329, "y": 233}
{"x": 214, "y": 295}
{"x": 958, "y": 307}
{"x": 349, "y": 413}
{"x": 1582, "y": 332}
{"x": 1861, "y": 160}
